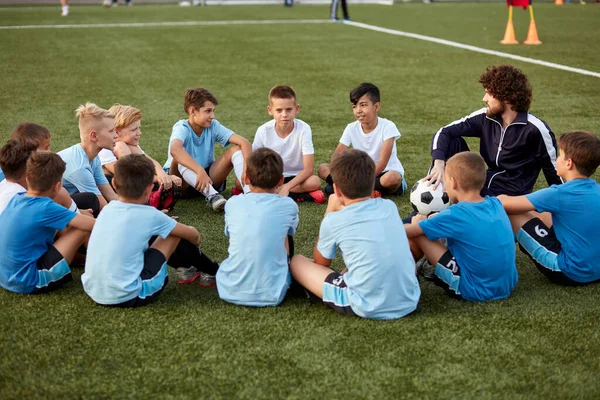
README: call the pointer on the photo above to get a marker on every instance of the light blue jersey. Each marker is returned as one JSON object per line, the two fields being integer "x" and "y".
{"x": 28, "y": 228}
{"x": 115, "y": 254}
{"x": 575, "y": 209}
{"x": 1, "y": 175}
{"x": 482, "y": 241}
{"x": 81, "y": 175}
{"x": 381, "y": 276}
{"x": 256, "y": 273}
{"x": 202, "y": 149}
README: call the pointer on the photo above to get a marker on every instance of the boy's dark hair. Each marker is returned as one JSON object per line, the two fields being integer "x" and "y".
{"x": 44, "y": 169}
{"x": 133, "y": 174}
{"x": 282, "y": 92}
{"x": 197, "y": 97}
{"x": 365, "y": 88}
{"x": 468, "y": 169}
{"x": 14, "y": 156}
{"x": 264, "y": 168}
{"x": 353, "y": 172}
{"x": 507, "y": 83}
{"x": 583, "y": 148}
{"x": 30, "y": 132}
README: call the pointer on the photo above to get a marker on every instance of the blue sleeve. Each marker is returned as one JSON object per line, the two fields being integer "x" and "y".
{"x": 55, "y": 216}
{"x": 99, "y": 176}
{"x": 468, "y": 126}
{"x": 221, "y": 134}
{"x": 327, "y": 245}
{"x": 440, "y": 225}
{"x": 163, "y": 224}
{"x": 545, "y": 199}
{"x": 179, "y": 133}
{"x": 84, "y": 181}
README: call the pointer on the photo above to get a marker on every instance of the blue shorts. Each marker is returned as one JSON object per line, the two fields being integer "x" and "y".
{"x": 447, "y": 274}
{"x": 335, "y": 294}
{"x": 53, "y": 271}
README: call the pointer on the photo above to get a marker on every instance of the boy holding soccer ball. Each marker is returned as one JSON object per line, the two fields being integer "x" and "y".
{"x": 375, "y": 136}
{"x": 479, "y": 263}
{"x": 379, "y": 281}
{"x": 563, "y": 241}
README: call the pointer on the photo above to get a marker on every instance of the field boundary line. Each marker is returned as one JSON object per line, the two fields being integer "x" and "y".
{"x": 175, "y": 23}
{"x": 472, "y": 48}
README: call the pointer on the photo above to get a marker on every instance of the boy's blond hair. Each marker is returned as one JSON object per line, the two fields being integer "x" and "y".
{"x": 125, "y": 115}
{"x": 468, "y": 169}
{"x": 90, "y": 115}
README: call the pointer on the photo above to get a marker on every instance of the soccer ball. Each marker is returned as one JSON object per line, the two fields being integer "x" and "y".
{"x": 425, "y": 200}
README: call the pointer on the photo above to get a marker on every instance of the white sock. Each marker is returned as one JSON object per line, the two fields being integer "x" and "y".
{"x": 73, "y": 207}
{"x": 237, "y": 159}
{"x": 65, "y": 10}
{"x": 190, "y": 177}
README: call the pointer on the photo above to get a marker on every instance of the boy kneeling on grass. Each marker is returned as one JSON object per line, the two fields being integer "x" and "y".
{"x": 479, "y": 263}
{"x": 120, "y": 269}
{"x": 31, "y": 261}
{"x": 564, "y": 241}
{"x": 379, "y": 281}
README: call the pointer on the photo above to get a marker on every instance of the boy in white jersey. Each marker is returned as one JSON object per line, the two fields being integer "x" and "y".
{"x": 375, "y": 136}
{"x": 84, "y": 172}
{"x": 379, "y": 281}
{"x": 260, "y": 225}
{"x": 191, "y": 149}
{"x": 291, "y": 138}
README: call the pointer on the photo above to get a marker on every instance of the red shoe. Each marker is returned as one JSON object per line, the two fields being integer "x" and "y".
{"x": 376, "y": 194}
{"x": 236, "y": 191}
{"x": 318, "y": 195}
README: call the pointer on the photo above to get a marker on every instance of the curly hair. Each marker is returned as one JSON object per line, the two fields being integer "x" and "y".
{"x": 508, "y": 84}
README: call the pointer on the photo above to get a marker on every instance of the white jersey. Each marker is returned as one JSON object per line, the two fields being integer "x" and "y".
{"x": 372, "y": 142}
{"x": 291, "y": 148}
{"x": 8, "y": 190}
{"x": 107, "y": 156}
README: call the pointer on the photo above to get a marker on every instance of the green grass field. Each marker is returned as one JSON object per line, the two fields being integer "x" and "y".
{"x": 542, "y": 342}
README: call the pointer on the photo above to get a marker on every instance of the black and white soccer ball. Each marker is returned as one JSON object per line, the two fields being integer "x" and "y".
{"x": 425, "y": 200}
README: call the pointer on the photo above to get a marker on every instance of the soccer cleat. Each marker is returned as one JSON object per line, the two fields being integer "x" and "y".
{"x": 187, "y": 275}
{"x": 235, "y": 191}
{"x": 376, "y": 194}
{"x": 318, "y": 195}
{"x": 424, "y": 268}
{"x": 207, "y": 280}
{"x": 216, "y": 202}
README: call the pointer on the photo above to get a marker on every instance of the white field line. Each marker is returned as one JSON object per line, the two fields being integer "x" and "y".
{"x": 315, "y": 21}
{"x": 473, "y": 48}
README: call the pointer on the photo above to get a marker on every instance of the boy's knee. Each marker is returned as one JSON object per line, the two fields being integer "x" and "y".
{"x": 391, "y": 178}
{"x": 323, "y": 170}
{"x": 312, "y": 183}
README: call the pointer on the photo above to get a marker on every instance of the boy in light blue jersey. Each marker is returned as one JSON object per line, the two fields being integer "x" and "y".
{"x": 120, "y": 269}
{"x": 259, "y": 225}
{"x": 564, "y": 241}
{"x": 31, "y": 261}
{"x": 191, "y": 149}
{"x": 379, "y": 281}
{"x": 84, "y": 170}
{"x": 479, "y": 263}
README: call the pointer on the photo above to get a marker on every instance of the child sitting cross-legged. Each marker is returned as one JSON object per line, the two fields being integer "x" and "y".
{"x": 121, "y": 268}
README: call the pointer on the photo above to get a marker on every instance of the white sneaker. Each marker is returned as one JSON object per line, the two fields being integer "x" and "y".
{"x": 217, "y": 202}
{"x": 184, "y": 4}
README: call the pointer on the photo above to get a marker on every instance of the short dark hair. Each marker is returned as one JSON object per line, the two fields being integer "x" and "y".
{"x": 30, "y": 132}
{"x": 353, "y": 172}
{"x": 368, "y": 89}
{"x": 264, "y": 168}
{"x": 468, "y": 169}
{"x": 133, "y": 174}
{"x": 44, "y": 169}
{"x": 508, "y": 84}
{"x": 14, "y": 156}
{"x": 583, "y": 148}
{"x": 197, "y": 97}
{"x": 282, "y": 92}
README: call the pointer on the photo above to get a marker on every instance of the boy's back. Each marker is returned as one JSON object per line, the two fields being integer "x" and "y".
{"x": 28, "y": 224}
{"x": 381, "y": 271}
{"x": 256, "y": 272}
{"x": 575, "y": 209}
{"x": 81, "y": 175}
{"x": 481, "y": 239}
{"x": 115, "y": 255}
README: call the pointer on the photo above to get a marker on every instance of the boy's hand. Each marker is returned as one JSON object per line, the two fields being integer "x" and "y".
{"x": 176, "y": 180}
{"x": 284, "y": 191}
{"x": 87, "y": 212}
{"x": 436, "y": 175}
{"x": 203, "y": 181}
{"x": 333, "y": 204}
{"x": 164, "y": 180}
{"x": 418, "y": 218}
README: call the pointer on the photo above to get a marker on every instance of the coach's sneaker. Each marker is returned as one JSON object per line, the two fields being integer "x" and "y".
{"x": 318, "y": 196}
{"x": 207, "y": 280}
{"x": 187, "y": 275}
{"x": 216, "y": 202}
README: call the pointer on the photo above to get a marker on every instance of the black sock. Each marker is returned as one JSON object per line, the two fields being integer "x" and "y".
{"x": 378, "y": 186}
{"x": 301, "y": 197}
{"x": 187, "y": 255}
{"x": 329, "y": 179}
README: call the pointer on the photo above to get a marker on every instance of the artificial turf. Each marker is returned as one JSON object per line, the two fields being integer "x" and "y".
{"x": 542, "y": 342}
